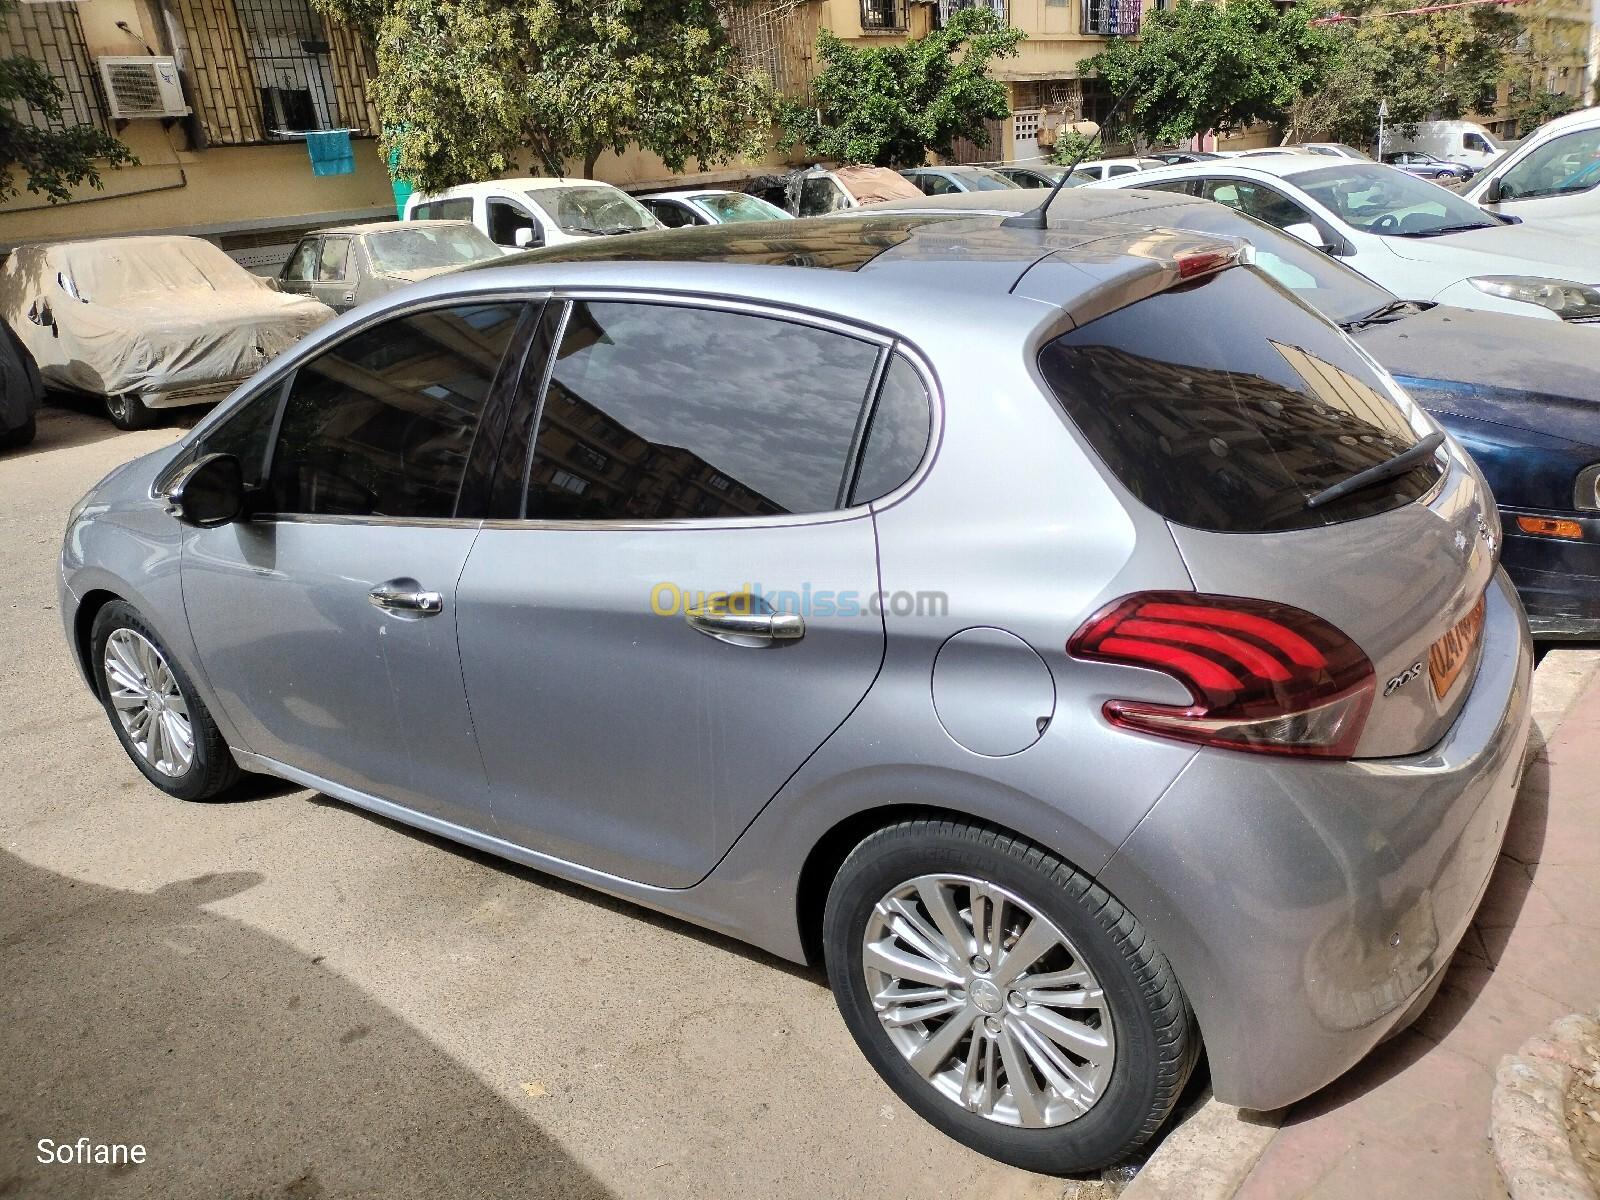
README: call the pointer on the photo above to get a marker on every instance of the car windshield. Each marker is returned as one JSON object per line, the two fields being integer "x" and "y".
{"x": 420, "y": 248}
{"x": 981, "y": 179}
{"x": 1392, "y": 203}
{"x": 593, "y": 210}
{"x": 736, "y": 206}
{"x": 1079, "y": 178}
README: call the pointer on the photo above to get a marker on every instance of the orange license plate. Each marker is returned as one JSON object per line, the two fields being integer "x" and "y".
{"x": 1449, "y": 654}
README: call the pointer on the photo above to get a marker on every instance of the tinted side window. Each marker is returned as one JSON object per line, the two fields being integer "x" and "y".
{"x": 897, "y": 437}
{"x": 1213, "y": 422}
{"x": 381, "y": 424}
{"x": 656, "y": 412}
{"x": 673, "y": 216}
{"x": 458, "y": 209}
{"x": 244, "y": 433}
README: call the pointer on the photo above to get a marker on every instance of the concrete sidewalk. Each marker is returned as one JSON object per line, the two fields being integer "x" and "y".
{"x": 1411, "y": 1121}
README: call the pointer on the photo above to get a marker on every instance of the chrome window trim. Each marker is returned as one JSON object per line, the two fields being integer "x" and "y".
{"x": 888, "y": 344}
{"x": 271, "y": 518}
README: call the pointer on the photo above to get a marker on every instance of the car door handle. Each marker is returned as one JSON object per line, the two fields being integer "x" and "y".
{"x": 404, "y": 596}
{"x": 746, "y": 629}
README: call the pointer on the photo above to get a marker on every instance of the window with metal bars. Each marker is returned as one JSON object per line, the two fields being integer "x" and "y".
{"x": 883, "y": 16}
{"x": 288, "y": 53}
{"x": 52, "y": 35}
{"x": 948, "y": 8}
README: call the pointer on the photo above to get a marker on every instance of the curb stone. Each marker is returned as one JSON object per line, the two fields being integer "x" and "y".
{"x": 1213, "y": 1147}
{"x": 1527, "y": 1114}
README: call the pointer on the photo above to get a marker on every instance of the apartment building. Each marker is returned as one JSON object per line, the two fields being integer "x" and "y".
{"x": 216, "y": 98}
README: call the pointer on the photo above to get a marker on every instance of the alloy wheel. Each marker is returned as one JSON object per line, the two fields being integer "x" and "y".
{"x": 149, "y": 705}
{"x": 988, "y": 1001}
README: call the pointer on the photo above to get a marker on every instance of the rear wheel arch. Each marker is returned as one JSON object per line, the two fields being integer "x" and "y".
{"x": 828, "y": 853}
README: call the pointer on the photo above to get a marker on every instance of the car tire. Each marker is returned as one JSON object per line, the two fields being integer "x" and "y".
{"x": 1097, "y": 954}
{"x": 127, "y": 411}
{"x": 151, "y": 703}
{"x": 21, "y": 436}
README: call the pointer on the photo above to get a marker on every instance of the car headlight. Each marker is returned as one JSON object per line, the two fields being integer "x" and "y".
{"x": 1569, "y": 301}
{"x": 1586, "y": 495}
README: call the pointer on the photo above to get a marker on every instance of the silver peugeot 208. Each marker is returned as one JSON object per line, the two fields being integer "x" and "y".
{"x": 1065, "y": 635}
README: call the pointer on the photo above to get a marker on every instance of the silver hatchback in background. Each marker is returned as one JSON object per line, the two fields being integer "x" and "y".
{"x": 1105, "y": 660}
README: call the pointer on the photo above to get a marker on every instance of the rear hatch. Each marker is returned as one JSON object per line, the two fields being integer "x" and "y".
{"x": 1228, "y": 407}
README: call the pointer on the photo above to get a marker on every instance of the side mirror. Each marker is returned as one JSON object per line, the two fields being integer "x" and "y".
{"x": 39, "y": 313}
{"x": 1307, "y": 233}
{"x": 1494, "y": 193}
{"x": 208, "y": 492}
{"x": 523, "y": 238}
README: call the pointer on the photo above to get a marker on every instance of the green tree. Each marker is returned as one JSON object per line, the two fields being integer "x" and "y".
{"x": 1425, "y": 66}
{"x": 1071, "y": 146}
{"x": 889, "y": 105}
{"x": 52, "y": 162}
{"x": 466, "y": 88}
{"x": 1199, "y": 67}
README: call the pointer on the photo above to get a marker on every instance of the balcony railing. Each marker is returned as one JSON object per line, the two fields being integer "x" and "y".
{"x": 1112, "y": 18}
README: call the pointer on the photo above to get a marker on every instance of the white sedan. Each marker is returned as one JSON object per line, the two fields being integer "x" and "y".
{"x": 1411, "y": 236}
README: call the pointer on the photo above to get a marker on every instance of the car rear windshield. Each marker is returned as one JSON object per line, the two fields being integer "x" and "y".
{"x": 1226, "y": 404}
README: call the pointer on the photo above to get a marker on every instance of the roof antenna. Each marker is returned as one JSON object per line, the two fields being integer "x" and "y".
{"x": 1039, "y": 217}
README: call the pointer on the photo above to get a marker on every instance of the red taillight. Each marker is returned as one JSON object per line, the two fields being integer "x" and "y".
{"x": 1264, "y": 677}
{"x": 1203, "y": 262}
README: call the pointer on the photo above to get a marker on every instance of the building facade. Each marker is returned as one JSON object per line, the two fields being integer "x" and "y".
{"x": 230, "y": 160}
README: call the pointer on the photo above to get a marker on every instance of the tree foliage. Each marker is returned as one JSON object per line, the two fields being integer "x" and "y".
{"x": 1071, "y": 146}
{"x": 52, "y": 162}
{"x": 889, "y": 105}
{"x": 1200, "y": 67}
{"x": 466, "y": 88}
{"x": 1426, "y": 66}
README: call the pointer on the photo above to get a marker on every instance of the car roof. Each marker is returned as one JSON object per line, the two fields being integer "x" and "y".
{"x": 380, "y": 226}
{"x": 1281, "y": 165}
{"x": 691, "y": 194}
{"x": 522, "y": 183}
{"x": 1078, "y": 264}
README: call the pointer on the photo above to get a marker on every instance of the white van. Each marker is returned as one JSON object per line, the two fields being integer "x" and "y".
{"x": 1454, "y": 141}
{"x": 521, "y": 214}
{"x": 1553, "y": 176}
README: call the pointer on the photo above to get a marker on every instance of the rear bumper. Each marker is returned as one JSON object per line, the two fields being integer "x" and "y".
{"x": 1557, "y": 578}
{"x": 1305, "y": 906}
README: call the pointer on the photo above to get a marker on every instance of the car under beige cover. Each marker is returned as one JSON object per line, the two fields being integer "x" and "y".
{"x": 147, "y": 315}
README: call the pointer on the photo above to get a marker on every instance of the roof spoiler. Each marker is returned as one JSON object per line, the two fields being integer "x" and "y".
{"x": 1126, "y": 267}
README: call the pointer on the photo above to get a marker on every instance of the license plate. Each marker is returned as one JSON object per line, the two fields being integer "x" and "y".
{"x": 1449, "y": 654}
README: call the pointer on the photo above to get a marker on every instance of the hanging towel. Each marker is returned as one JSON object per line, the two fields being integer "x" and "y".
{"x": 331, "y": 152}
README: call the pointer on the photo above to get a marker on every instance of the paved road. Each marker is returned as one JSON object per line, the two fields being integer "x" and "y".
{"x": 284, "y": 997}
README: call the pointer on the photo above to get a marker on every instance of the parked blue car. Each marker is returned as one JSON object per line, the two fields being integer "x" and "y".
{"x": 1521, "y": 395}
{"x": 1528, "y": 411}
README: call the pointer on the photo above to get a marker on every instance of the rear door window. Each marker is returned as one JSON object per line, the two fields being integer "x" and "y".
{"x": 457, "y": 209}
{"x": 661, "y": 412}
{"x": 1226, "y": 404}
{"x": 334, "y": 261}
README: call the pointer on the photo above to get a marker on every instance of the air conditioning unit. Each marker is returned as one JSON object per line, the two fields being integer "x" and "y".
{"x": 142, "y": 86}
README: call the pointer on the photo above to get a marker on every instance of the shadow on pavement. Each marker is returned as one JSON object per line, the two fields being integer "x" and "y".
{"x": 577, "y": 891}
{"x": 245, "y": 1067}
